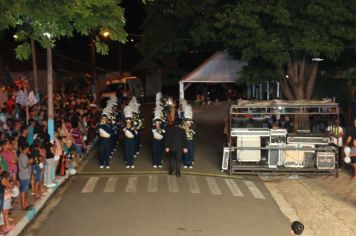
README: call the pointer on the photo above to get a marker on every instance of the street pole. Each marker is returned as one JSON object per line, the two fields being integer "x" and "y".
{"x": 34, "y": 67}
{"x": 50, "y": 94}
{"x": 120, "y": 59}
{"x": 93, "y": 65}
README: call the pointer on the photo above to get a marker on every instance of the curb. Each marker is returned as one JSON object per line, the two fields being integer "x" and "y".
{"x": 31, "y": 214}
{"x": 286, "y": 208}
{"x": 159, "y": 172}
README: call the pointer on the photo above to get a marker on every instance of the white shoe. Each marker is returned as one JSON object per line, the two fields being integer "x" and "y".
{"x": 154, "y": 166}
{"x": 160, "y": 166}
{"x": 51, "y": 185}
{"x": 133, "y": 167}
{"x": 107, "y": 167}
{"x": 137, "y": 153}
{"x": 190, "y": 167}
{"x": 185, "y": 167}
{"x": 127, "y": 167}
{"x": 110, "y": 157}
{"x": 101, "y": 167}
{"x": 193, "y": 162}
{"x": 134, "y": 156}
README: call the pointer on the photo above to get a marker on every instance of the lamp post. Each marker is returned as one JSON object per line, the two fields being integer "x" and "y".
{"x": 93, "y": 65}
{"x": 120, "y": 60}
{"x": 106, "y": 34}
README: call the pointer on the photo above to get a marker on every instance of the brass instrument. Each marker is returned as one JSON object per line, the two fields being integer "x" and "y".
{"x": 188, "y": 130}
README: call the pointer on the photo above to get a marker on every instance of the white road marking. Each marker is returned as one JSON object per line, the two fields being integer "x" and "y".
{"x": 213, "y": 186}
{"x": 172, "y": 184}
{"x": 131, "y": 184}
{"x": 111, "y": 185}
{"x": 152, "y": 184}
{"x": 235, "y": 190}
{"x": 90, "y": 185}
{"x": 193, "y": 184}
{"x": 254, "y": 190}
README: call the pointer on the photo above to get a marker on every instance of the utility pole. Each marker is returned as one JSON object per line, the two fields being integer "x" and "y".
{"x": 93, "y": 66}
{"x": 120, "y": 59}
{"x": 34, "y": 67}
{"x": 50, "y": 94}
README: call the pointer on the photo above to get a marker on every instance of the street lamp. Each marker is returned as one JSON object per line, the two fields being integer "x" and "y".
{"x": 105, "y": 34}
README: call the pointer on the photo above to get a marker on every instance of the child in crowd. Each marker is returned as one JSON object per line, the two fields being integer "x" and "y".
{"x": 37, "y": 155}
{"x": 5, "y": 185}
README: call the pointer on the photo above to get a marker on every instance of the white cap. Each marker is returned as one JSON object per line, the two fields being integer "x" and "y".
{"x": 127, "y": 112}
{"x": 188, "y": 112}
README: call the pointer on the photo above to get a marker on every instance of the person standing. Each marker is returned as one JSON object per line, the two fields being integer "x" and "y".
{"x": 158, "y": 133}
{"x": 176, "y": 144}
{"x": 10, "y": 158}
{"x": 352, "y": 134}
{"x": 189, "y": 128}
{"x": 24, "y": 174}
{"x": 49, "y": 171}
{"x": 353, "y": 157}
{"x": 336, "y": 133}
{"x": 105, "y": 142}
{"x": 129, "y": 138}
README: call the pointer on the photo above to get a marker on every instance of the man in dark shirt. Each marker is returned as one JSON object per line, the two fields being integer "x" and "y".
{"x": 176, "y": 144}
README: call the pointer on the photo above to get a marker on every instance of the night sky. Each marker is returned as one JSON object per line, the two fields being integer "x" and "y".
{"x": 78, "y": 48}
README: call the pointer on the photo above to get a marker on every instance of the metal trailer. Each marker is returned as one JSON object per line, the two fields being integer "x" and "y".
{"x": 247, "y": 123}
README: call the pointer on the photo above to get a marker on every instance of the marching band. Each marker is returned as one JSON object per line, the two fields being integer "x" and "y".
{"x": 129, "y": 122}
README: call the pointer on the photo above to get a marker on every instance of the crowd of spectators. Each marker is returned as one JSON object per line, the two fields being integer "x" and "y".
{"x": 29, "y": 159}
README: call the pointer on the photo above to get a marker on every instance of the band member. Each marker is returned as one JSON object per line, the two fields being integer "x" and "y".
{"x": 129, "y": 138}
{"x": 137, "y": 123}
{"x": 104, "y": 142}
{"x": 158, "y": 133}
{"x": 189, "y": 128}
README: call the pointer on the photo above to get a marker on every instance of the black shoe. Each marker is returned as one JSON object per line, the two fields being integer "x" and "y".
{"x": 178, "y": 174}
{"x": 170, "y": 173}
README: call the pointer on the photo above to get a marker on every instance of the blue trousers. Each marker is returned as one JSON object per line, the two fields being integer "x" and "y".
{"x": 157, "y": 149}
{"x": 137, "y": 142}
{"x": 189, "y": 157}
{"x": 129, "y": 151}
{"x": 105, "y": 151}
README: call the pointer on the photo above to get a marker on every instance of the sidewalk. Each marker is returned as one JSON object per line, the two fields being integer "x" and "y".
{"x": 325, "y": 204}
{"x": 23, "y": 218}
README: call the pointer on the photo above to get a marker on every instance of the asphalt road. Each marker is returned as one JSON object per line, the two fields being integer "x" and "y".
{"x": 126, "y": 203}
{"x": 160, "y": 205}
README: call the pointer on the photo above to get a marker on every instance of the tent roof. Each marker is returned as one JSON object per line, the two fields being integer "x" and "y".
{"x": 219, "y": 68}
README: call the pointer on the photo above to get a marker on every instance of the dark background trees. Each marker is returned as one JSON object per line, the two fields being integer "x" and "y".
{"x": 285, "y": 34}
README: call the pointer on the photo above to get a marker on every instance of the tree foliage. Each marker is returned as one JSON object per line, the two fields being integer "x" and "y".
{"x": 170, "y": 27}
{"x": 284, "y": 33}
{"x": 46, "y": 21}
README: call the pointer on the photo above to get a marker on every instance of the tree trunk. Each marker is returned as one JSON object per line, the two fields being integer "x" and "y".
{"x": 298, "y": 79}
{"x": 297, "y": 83}
{"x": 50, "y": 94}
{"x": 34, "y": 66}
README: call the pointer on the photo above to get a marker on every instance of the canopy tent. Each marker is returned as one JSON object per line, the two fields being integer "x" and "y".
{"x": 219, "y": 68}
